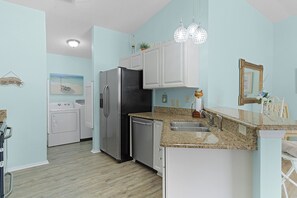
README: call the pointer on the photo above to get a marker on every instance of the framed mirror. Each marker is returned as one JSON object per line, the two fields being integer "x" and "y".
{"x": 250, "y": 82}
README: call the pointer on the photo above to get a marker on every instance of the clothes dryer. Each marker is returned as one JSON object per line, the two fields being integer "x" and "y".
{"x": 63, "y": 124}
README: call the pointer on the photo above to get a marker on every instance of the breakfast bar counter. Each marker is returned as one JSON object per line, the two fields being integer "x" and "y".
{"x": 242, "y": 160}
{"x": 214, "y": 139}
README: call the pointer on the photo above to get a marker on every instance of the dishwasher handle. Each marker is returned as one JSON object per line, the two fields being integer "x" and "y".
{"x": 142, "y": 123}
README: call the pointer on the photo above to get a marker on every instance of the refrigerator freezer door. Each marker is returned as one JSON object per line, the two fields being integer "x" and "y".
{"x": 103, "y": 119}
{"x": 134, "y": 98}
{"x": 113, "y": 106}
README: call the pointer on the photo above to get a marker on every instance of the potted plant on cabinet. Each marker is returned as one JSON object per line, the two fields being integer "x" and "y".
{"x": 144, "y": 46}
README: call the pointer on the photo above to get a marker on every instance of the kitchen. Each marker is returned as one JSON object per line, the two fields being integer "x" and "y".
{"x": 235, "y": 30}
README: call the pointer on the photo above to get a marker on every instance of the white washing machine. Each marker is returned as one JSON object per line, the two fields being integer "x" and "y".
{"x": 85, "y": 132}
{"x": 64, "y": 126}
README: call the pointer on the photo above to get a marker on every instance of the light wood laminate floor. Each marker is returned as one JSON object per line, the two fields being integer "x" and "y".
{"x": 75, "y": 172}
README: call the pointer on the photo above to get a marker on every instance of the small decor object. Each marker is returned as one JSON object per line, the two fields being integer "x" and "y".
{"x": 264, "y": 99}
{"x": 11, "y": 80}
{"x": 198, "y": 104}
{"x": 133, "y": 43}
{"x": 64, "y": 84}
{"x": 144, "y": 46}
{"x": 3, "y": 115}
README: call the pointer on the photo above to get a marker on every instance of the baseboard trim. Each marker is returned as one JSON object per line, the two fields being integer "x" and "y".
{"x": 17, "y": 168}
{"x": 95, "y": 151}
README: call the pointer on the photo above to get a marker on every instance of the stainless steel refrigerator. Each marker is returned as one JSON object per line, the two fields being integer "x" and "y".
{"x": 121, "y": 93}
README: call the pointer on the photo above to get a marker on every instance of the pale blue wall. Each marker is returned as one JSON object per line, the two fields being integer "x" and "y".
{"x": 68, "y": 65}
{"x": 160, "y": 28}
{"x": 285, "y": 63}
{"x": 236, "y": 30}
{"x": 23, "y": 51}
{"x": 108, "y": 47}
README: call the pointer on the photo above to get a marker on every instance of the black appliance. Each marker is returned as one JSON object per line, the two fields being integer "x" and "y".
{"x": 5, "y": 133}
{"x": 121, "y": 93}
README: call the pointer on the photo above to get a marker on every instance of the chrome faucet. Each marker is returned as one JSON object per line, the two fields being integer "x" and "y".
{"x": 220, "y": 121}
{"x": 209, "y": 116}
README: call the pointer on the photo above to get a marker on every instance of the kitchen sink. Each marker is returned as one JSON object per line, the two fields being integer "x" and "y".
{"x": 188, "y": 126}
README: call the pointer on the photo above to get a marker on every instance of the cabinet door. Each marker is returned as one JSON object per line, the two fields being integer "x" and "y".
{"x": 151, "y": 68}
{"x": 125, "y": 62}
{"x": 136, "y": 62}
{"x": 173, "y": 65}
{"x": 158, "y": 150}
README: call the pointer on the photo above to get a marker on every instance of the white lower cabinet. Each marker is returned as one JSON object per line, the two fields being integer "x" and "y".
{"x": 158, "y": 150}
{"x": 210, "y": 173}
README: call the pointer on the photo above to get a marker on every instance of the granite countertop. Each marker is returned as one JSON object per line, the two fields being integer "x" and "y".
{"x": 255, "y": 120}
{"x": 211, "y": 140}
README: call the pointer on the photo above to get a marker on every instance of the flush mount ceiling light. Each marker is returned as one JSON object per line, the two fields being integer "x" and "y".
{"x": 73, "y": 43}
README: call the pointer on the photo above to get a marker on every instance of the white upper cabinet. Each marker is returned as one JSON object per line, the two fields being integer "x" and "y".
{"x": 178, "y": 66}
{"x": 172, "y": 70}
{"x": 151, "y": 68}
{"x": 125, "y": 62}
{"x": 136, "y": 61}
{"x": 132, "y": 62}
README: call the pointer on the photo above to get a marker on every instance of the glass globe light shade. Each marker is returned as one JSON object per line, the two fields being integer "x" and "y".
{"x": 199, "y": 36}
{"x": 181, "y": 34}
{"x": 191, "y": 29}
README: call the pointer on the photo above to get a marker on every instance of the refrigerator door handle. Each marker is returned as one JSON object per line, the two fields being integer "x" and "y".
{"x": 104, "y": 101}
{"x": 107, "y": 101}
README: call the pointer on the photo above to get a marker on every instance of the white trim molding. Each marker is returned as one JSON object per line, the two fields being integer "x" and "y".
{"x": 271, "y": 133}
{"x": 16, "y": 168}
{"x": 95, "y": 151}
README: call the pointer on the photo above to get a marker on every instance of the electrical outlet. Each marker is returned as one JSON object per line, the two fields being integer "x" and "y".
{"x": 242, "y": 129}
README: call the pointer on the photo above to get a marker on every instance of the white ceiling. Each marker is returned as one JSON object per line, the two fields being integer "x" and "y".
{"x": 67, "y": 19}
{"x": 275, "y": 10}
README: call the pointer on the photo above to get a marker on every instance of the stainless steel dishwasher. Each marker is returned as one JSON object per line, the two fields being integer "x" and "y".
{"x": 142, "y": 141}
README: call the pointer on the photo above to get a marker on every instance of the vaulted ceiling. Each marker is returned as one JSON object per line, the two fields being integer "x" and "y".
{"x": 66, "y": 19}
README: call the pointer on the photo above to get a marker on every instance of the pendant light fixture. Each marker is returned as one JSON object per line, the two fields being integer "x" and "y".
{"x": 181, "y": 33}
{"x": 195, "y": 32}
{"x": 192, "y": 27}
{"x": 200, "y": 35}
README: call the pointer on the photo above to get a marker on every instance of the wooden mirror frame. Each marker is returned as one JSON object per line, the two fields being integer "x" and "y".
{"x": 246, "y": 65}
